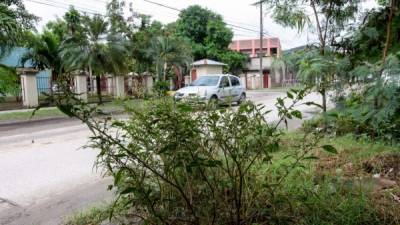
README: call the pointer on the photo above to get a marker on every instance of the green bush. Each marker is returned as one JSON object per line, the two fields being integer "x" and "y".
{"x": 357, "y": 115}
{"x": 175, "y": 165}
{"x": 161, "y": 88}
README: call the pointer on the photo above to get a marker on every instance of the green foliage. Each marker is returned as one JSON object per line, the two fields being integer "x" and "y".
{"x": 194, "y": 22}
{"x": 10, "y": 29}
{"x": 161, "y": 88}
{"x": 235, "y": 61}
{"x": 172, "y": 164}
{"x": 358, "y": 114}
{"x": 209, "y": 36}
{"x": 43, "y": 51}
{"x": 168, "y": 51}
{"x": 9, "y": 82}
{"x": 24, "y": 18}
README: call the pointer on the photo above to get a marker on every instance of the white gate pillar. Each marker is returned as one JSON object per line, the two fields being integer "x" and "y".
{"x": 110, "y": 85}
{"x": 148, "y": 80}
{"x": 80, "y": 81}
{"x": 187, "y": 80}
{"x": 30, "y": 97}
{"x": 119, "y": 86}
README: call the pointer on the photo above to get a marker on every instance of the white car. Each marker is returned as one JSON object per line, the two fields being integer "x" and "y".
{"x": 222, "y": 88}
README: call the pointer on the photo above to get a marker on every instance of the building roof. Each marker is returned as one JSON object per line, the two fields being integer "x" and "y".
{"x": 13, "y": 58}
{"x": 208, "y": 62}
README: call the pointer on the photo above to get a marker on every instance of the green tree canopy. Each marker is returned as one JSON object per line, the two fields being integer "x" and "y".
{"x": 209, "y": 36}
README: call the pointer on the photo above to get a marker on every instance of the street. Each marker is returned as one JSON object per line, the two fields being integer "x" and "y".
{"x": 46, "y": 173}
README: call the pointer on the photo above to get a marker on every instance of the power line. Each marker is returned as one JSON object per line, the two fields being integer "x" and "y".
{"x": 64, "y": 6}
{"x": 179, "y": 10}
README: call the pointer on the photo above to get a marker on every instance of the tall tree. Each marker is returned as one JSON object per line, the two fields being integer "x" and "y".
{"x": 328, "y": 18}
{"x": 43, "y": 53}
{"x": 168, "y": 52}
{"x": 10, "y": 29}
{"x": 90, "y": 49}
{"x": 209, "y": 36}
{"x": 14, "y": 21}
{"x": 74, "y": 20}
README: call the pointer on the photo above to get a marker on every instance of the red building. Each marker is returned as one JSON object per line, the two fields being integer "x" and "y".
{"x": 271, "y": 48}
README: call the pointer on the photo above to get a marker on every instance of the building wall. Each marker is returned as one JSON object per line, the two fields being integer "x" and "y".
{"x": 251, "y": 47}
{"x": 214, "y": 69}
{"x": 208, "y": 70}
{"x": 13, "y": 59}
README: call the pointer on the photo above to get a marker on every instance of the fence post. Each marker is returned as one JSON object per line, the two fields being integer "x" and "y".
{"x": 119, "y": 86}
{"x": 187, "y": 80}
{"x": 243, "y": 80}
{"x": 110, "y": 85}
{"x": 30, "y": 97}
{"x": 80, "y": 83}
{"x": 148, "y": 78}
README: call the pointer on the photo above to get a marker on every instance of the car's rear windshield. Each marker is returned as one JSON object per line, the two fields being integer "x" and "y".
{"x": 206, "y": 81}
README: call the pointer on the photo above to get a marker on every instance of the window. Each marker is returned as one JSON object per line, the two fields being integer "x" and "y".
{"x": 224, "y": 82}
{"x": 274, "y": 51}
{"x": 234, "y": 81}
{"x": 206, "y": 81}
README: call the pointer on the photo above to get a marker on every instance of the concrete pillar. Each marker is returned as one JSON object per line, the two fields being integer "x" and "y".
{"x": 148, "y": 83}
{"x": 187, "y": 80}
{"x": 80, "y": 83}
{"x": 253, "y": 83}
{"x": 171, "y": 84}
{"x": 119, "y": 86}
{"x": 93, "y": 84}
{"x": 110, "y": 85}
{"x": 243, "y": 80}
{"x": 30, "y": 97}
{"x": 253, "y": 48}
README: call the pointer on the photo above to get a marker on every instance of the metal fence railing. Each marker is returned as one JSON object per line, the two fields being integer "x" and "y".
{"x": 43, "y": 85}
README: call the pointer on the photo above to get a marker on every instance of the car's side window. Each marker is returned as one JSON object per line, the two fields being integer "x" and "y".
{"x": 235, "y": 81}
{"x": 224, "y": 82}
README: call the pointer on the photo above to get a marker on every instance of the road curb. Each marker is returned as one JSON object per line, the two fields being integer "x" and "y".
{"x": 34, "y": 121}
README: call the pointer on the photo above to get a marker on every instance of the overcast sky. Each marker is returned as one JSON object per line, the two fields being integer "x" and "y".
{"x": 237, "y": 12}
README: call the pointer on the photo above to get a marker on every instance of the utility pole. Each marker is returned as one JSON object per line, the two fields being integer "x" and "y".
{"x": 261, "y": 48}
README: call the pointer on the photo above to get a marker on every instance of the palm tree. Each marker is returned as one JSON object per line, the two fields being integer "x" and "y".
{"x": 43, "y": 54}
{"x": 92, "y": 49}
{"x": 10, "y": 30}
{"x": 168, "y": 52}
{"x": 319, "y": 71}
{"x": 73, "y": 19}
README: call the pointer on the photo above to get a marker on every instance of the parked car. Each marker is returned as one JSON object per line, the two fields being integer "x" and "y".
{"x": 213, "y": 88}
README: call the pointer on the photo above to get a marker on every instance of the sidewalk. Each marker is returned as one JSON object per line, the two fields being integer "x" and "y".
{"x": 25, "y": 116}
{"x": 9, "y": 117}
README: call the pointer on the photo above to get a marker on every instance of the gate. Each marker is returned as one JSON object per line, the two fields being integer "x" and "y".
{"x": 193, "y": 75}
{"x": 266, "y": 79}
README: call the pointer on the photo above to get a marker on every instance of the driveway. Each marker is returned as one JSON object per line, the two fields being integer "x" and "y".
{"x": 46, "y": 174}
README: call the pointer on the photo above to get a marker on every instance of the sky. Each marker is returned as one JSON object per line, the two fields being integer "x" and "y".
{"x": 236, "y": 12}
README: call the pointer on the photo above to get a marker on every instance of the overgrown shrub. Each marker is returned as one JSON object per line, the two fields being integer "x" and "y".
{"x": 161, "y": 88}
{"x": 360, "y": 115}
{"x": 174, "y": 165}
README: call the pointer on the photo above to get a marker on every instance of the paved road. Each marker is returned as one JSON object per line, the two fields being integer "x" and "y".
{"x": 46, "y": 174}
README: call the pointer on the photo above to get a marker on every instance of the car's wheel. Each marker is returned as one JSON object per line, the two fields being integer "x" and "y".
{"x": 213, "y": 102}
{"x": 242, "y": 98}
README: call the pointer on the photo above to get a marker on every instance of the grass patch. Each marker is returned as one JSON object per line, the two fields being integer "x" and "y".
{"x": 53, "y": 112}
{"x": 336, "y": 189}
{"x": 322, "y": 192}
{"x": 93, "y": 216}
{"x": 27, "y": 115}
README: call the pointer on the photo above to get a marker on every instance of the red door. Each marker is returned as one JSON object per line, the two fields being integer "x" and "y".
{"x": 194, "y": 75}
{"x": 266, "y": 80}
